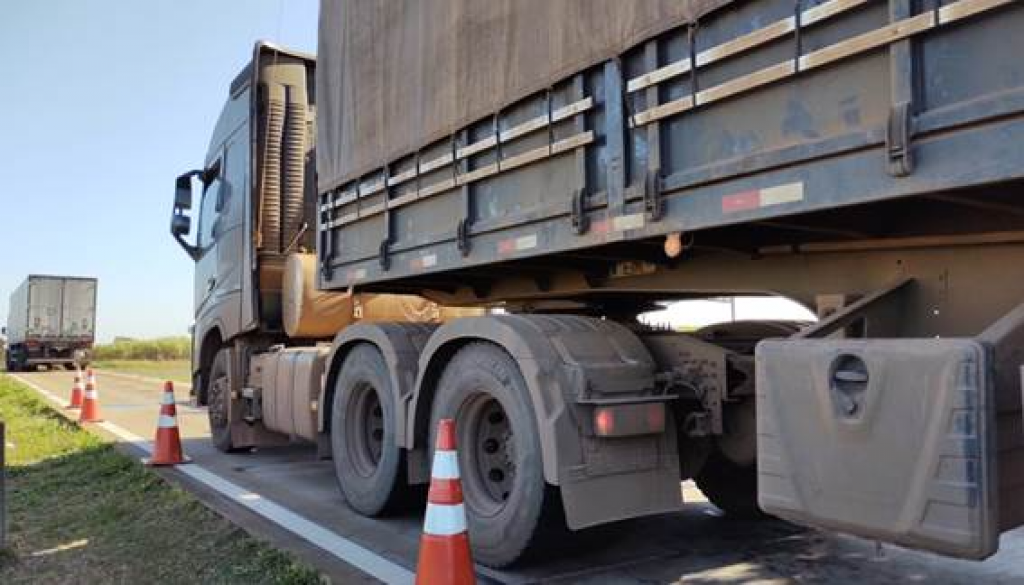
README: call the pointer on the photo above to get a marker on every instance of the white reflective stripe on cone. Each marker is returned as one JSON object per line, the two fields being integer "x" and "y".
{"x": 168, "y": 398}
{"x": 445, "y": 519}
{"x": 446, "y": 465}
{"x": 90, "y": 393}
{"x": 166, "y": 422}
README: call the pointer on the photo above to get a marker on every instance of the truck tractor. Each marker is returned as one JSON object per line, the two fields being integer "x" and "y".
{"x": 461, "y": 209}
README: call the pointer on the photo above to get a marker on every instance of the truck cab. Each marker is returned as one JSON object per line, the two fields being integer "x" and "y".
{"x": 243, "y": 230}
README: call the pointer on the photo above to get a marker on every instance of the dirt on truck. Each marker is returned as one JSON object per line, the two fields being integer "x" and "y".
{"x": 362, "y": 219}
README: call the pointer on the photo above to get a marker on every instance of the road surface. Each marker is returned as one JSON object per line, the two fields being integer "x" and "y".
{"x": 696, "y": 545}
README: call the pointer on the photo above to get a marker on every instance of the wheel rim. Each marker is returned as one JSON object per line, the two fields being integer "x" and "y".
{"x": 487, "y": 453}
{"x": 365, "y": 430}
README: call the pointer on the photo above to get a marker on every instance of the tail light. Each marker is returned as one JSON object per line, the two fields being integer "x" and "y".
{"x": 627, "y": 420}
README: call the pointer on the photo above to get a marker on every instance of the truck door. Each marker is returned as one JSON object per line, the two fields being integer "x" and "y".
{"x": 79, "y": 309}
{"x": 44, "y": 304}
{"x": 221, "y": 265}
{"x": 889, "y": 439}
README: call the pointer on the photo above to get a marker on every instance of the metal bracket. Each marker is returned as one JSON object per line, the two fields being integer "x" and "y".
{"x": 385, "y": 260}
{"x": 580, "y": 222}
{"x": 462, "y": 236}
{"x": 325, "y": 248}
{"x": 653, "y": 205}
{"x": 897, "y": 140}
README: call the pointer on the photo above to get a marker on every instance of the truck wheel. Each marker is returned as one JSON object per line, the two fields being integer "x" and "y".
{"x": 367, "y": 461}
{"x": 218, "y": 393}
{"x": 508, "y": 505}
{"x": 732, "y": 488}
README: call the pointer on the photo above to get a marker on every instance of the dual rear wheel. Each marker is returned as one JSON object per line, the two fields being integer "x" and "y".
{"x": 508, "y": 505}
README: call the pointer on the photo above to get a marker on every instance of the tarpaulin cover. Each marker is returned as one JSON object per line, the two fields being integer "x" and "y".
{"x": 394, "y": 75}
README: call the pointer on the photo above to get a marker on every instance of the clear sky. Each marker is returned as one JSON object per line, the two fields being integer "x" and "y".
{"x": 102, "y": 104}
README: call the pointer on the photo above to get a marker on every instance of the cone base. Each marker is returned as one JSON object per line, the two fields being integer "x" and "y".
{"x": 151, "y": 462}
{"x": 445, "y": 559}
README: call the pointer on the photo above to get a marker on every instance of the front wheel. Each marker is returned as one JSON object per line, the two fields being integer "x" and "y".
{"x": 218, "y": 395}
{"x": 367, "y": 460}
{"x": 508, "y": 505}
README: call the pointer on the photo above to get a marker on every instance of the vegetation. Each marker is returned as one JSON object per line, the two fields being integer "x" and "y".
{"x": 80, "y": 511}
{"x": 174, "y": 370}
{"x": 164, "y": 348}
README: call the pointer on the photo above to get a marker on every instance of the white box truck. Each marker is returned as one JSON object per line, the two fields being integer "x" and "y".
{"x": 51, "y": 321}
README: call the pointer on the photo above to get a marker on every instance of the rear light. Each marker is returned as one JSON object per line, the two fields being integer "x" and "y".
{"x": 627, "y": 420}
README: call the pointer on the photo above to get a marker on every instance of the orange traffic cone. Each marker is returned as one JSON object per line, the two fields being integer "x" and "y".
{"x": 76, "y": 391}
{"x": 91, "y": 400}
{"x": 444, "y": 546}
{"x": 167, "y": 447}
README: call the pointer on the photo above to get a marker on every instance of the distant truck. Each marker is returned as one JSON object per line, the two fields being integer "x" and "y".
{"x": 576, "y": 163}
{"x": 51, "y": 321}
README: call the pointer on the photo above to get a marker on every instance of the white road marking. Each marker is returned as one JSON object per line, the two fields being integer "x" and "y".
{"x": 339, "y": 546}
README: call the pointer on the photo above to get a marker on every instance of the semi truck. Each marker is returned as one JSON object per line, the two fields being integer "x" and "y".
{"x": 514, "y": 183}
{"x": 51, "y": 321}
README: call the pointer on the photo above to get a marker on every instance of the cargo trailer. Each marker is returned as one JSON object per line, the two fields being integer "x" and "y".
{"x": 51, "y": 321}
{"x": 574, "y": 164}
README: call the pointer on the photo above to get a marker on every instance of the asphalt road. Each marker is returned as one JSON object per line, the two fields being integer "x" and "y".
{"x": 696, "y": 545}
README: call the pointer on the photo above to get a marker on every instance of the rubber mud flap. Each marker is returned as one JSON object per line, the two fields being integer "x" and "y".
{"x": 891, "y": 440}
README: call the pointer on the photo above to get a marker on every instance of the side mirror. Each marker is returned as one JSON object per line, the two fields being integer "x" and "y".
{"x": 183, "y": 191}
{"x": 181, "y": 224}
{"x": 3, "y": 331}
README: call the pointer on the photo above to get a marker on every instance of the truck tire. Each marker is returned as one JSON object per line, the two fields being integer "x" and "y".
{"x": 368, "y": 464}
{"x": 509, "y": 508}
{"x": 730, "y": 487}
{"x": 218, "y": 393}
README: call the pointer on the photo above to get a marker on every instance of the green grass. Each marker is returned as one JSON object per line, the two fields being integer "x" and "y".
{"x": 80, "y": 511}
{"x": 174, "y": 370}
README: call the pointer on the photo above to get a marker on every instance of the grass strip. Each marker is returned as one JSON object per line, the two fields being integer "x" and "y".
{"x": 80, "y": 511}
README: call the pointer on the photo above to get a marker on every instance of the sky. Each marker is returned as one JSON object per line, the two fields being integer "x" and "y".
{"x": 102, "y": 104}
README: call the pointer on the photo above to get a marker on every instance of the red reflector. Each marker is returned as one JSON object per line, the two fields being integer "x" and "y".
{"x": 625, "y": 420}
{"x": 604, "y": 420}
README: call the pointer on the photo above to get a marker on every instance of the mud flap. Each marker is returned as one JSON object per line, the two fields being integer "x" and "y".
{"x": 892, "y": 440}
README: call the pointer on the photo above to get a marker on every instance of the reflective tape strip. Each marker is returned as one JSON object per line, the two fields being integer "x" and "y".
{"x": 444, "y": 520}
{"x": 757, "y": 198}
{"x": 166, "y": 422}
{"x": 90, "y": 393}
{"x": 168, "y": 398}
{"x": 446, "y": 465}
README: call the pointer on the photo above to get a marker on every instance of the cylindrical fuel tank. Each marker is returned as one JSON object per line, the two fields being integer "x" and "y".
{"x": 289, "y": 381}
{"x": 311, "y": 314}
